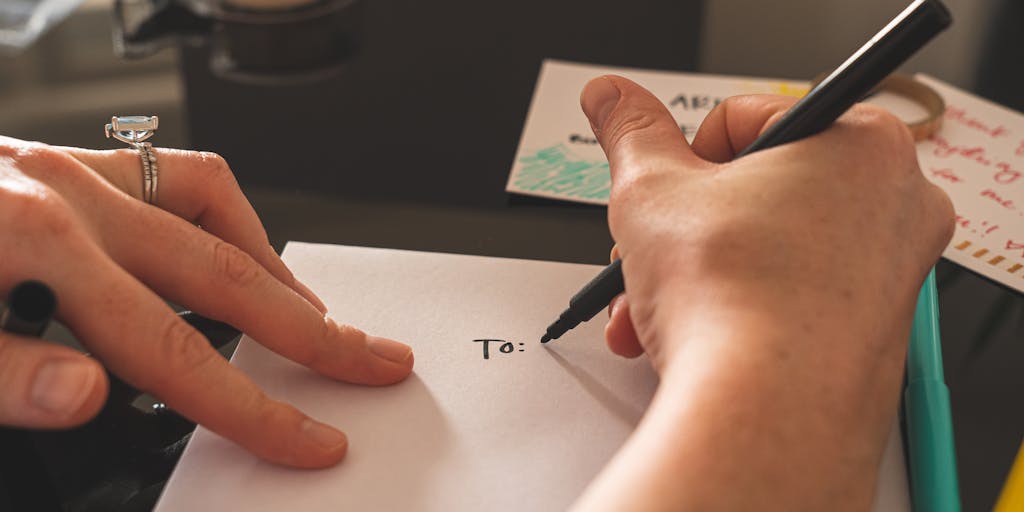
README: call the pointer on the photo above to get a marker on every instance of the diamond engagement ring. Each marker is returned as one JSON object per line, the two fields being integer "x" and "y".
{"x": 134, "y": 130}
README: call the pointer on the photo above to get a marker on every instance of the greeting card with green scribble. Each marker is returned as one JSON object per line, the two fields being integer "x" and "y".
{"x": 558, "y": 156}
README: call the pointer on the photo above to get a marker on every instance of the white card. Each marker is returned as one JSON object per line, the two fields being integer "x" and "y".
{"x": 525, "y": 429}
{"x": 558, "y": 156}
{"x": 978, "y": 159}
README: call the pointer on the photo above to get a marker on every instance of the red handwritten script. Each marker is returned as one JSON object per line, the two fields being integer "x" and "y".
{"x": 978, "y": 159}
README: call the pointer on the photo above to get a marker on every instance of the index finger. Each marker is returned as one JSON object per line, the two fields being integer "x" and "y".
{"x": 138, "y": 337}
{"x": 200, "y": 188}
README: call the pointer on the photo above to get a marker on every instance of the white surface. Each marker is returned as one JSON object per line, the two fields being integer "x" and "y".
{"x": 519, "y": 431}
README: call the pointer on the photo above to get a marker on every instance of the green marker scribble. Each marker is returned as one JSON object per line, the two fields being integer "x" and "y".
{"x": 555, "y": 170}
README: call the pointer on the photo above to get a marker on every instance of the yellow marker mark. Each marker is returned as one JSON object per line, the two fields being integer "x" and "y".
{"x": 980, "y": 253}
{"x": 785, "y": 89}
{"x": 1014, "y": 268}
{"x": 963, "y": 245}
{"x": 996, "y": 260}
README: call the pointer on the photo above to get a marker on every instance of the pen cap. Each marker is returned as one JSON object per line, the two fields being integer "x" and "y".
{"x": 925, "y": 358}
{"x": 930, "y": 441}
{"x": 30, "y": 306}
{"x": 931, "y": 447}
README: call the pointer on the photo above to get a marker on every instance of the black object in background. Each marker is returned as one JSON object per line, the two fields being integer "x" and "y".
{"x": 118, "y": 461}
{"x": 431, "y": 105}
{"x": 269, "y": 46}
{"x": 1000, "y": 78}
{"x": 30, "y": 307}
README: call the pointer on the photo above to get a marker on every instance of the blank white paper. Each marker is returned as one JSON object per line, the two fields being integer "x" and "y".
{"x": 525, "y": 429}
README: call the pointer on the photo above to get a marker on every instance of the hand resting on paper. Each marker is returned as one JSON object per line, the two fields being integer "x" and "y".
{"x": 74, "y": 219}
{"x": 773, "y": 294}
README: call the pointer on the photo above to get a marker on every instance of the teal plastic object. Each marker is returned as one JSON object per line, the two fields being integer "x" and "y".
{"x": 933, "y": 479}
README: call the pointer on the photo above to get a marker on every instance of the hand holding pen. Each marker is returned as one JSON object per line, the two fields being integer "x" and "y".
{"x": 772, "y": 292}
{"x": 776, "y": 289}
{"x": 862, "y": 72}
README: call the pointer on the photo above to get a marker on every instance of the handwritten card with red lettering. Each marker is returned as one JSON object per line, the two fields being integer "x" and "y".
{"x": 558, "y": 156}
{"x": 490, "y": 420}
{"x": 978, "y": 159}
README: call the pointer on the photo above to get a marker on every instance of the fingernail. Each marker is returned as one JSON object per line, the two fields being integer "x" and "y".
{"x": 62, "y": 386}
{"x": 326, "y": 436}
{"x": 598, "y": 100}
{"x": 306, "y": 292}
{"x": 388, "y": 349}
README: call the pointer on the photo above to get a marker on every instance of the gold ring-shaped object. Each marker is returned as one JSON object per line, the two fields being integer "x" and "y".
{"x": 905, "y": 85}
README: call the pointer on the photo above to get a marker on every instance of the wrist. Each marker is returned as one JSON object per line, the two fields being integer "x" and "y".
{"x": 742, "y": 405}
{"x": 798, "y": 416}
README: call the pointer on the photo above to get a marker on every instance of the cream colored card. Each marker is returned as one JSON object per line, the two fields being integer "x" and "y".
{"x": 525, "y": 427}
{"x": 558, "y": 156}
{"x": 978, "y": 159}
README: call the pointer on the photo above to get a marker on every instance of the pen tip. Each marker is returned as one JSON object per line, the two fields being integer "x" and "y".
{"x": 545, "y": 338}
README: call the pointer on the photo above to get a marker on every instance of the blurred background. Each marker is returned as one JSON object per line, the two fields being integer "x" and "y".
{"x": 65, "y": 86}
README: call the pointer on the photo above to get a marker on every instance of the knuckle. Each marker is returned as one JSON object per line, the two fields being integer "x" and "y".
{"x": 348, "y": 332}
{"x": 215, "y": 169}
{"x": 332, "y": 336}
{"x": 183, "y": 349}
{"x": 44, "y": 159}
{"x": 625, "y": 193}
{"x": 737, "y": 105}
{"x": 234, "y": 266}
{"x": 628, "y": 126}
{"x": 886, "y": 128}
{"x": 757, "y": 103}
{"x": 890, "y": 138}
{"x": 255, "y": 402}
{"x": 271, "y": 412}
{"x": 37, "y": 210}
{"x": 740, "y": 109}
{"x": 47, "y": 164}
{"x": 11, "y": 148}
{"x": 645, "y": 177}
{"x": 123, "y": 155}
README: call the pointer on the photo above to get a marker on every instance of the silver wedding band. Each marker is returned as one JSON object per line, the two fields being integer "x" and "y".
{"x": 150, "y": 173}
{"x": 134, "y": 130}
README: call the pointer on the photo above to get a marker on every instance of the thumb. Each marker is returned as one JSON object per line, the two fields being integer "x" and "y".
{"x": 633, "y": 127}
{"x": 43, "y": 385}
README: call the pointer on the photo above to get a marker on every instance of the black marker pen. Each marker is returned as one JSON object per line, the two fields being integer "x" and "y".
{"x": 851, "y": 81}
{"x": 30, "y": 307}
